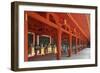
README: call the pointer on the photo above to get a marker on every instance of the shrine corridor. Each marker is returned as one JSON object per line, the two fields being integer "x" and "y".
{"x": 56, "y": 36}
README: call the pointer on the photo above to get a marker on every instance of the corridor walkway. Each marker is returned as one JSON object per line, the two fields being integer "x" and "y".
{"x": 83, "y": 54}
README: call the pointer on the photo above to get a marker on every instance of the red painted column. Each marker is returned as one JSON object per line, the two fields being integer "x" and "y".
{"x": 79, "y": 46}
{"x": 25, "y": 37}
{"x": 70, "y": 45}
{"x": 76, "y": 46}
{"x": 59, "y": 44}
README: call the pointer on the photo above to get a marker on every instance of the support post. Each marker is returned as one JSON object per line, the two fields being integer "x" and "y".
{"x": 25, "y": 37}
{"x": 79, "y": 46}
{"x": 59, "y": 44}
{"x": 70, "y": 45}
{"x": 76, "y": 49}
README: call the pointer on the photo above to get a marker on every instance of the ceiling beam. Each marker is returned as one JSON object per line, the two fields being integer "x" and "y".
{"x": 42, "y": 19}
{"x": 71, "y": 17}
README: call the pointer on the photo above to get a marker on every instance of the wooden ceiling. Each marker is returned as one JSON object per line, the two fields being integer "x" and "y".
{"x": 75, "y": 20}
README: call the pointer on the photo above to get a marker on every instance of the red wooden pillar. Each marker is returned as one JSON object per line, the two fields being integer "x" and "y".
{"x": 76, "y": 46}
{"x": 59, "y": 44}
{"x": 70, "y": 45}
{"x": 25, "y": 37}
{"x": 79, "y": 46}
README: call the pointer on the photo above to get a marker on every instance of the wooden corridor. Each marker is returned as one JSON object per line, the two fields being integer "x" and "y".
{"x": 68, "y": 29}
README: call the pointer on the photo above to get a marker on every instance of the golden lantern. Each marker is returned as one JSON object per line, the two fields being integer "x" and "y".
{"x": 33, "y": 51}
{"x": 55, "y": 50}
{"x": 42, "y": 51}
{"x": 49, "y": 49}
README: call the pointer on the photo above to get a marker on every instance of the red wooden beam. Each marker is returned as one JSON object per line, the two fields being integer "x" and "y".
{"x": 42, "y": 19}
{"x": 55, "y": 18}
{"x": 71, "y": 17}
